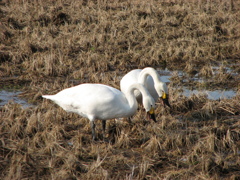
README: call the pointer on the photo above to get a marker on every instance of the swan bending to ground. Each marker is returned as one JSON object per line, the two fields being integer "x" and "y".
{"x": 150, "y": 78}
{"x": 98, "y": 101}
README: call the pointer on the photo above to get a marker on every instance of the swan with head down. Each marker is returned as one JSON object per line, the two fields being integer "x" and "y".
{"x": 150, "y": 78}
{"x": 98, "y": 101}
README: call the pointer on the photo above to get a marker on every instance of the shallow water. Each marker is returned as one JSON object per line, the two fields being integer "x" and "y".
{"x": 213, "y": 95}
{"x": 6, "y": 96}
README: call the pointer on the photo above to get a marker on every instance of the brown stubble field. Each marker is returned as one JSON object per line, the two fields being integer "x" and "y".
{"x": 46, "y": 46}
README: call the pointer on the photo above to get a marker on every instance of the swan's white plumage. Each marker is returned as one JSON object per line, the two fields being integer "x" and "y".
{"x": 98, "y": 101}
{"x": 90, "y": 100}
{"x": 149, "y": 77}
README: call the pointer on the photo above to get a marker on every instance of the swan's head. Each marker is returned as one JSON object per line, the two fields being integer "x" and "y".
{"x": 151, "y": 114}
{"x": 162, "y": 91}
{"x": 149, "y": 106}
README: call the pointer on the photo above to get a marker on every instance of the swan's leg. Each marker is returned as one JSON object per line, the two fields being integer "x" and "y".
{"x": 129, "y": 119}
{"x": 104, "y": 128}
{"x": 93, "y": 130}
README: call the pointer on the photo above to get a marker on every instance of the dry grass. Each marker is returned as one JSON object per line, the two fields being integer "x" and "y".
{"x": 47, "y": 46}
{"x": 46, "y": 142}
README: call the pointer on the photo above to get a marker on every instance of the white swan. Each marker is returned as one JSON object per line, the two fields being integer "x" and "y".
{"x": 150, "y": 78}
{"x": 98, "y": 101}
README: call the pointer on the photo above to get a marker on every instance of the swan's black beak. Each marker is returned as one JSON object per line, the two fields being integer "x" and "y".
{"x": 165, "y": 100}
{"x": 151, "y": 114}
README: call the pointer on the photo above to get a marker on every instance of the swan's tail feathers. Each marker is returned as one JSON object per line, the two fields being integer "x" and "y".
{"x": 51, "y": 97}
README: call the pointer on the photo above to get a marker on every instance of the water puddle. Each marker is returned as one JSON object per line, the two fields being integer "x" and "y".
{"x": 211, "y": 94}
{"x": 6, "y": 96}
{"x": 165, "y": 75}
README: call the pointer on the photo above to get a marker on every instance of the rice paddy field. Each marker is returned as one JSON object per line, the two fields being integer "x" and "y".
{"x": 47, "y": 46}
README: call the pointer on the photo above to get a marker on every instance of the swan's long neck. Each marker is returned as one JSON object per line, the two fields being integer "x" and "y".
{"x": 133, "y": 105}
{"x": 149, "y": 72}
